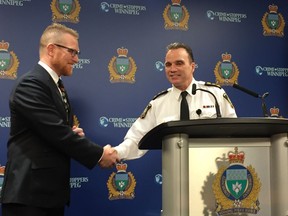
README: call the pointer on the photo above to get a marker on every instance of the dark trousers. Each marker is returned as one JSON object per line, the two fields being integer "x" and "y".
{"x": 12, "y": 209}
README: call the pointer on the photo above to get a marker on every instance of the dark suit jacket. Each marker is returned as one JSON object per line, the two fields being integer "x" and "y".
{"x": 41, "y": 144}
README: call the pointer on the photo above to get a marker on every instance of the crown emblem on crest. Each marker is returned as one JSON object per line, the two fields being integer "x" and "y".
{"x": 226, "y": 57}
{"x": 226, "y": 71}
{"x": 8, "y": 62}
{"x": 121, "y": 185}
{"x": 273, "y": 8}
{"x": 122, "y": 68}
{"x": 273, "y": 22}
{"x": 236, "y": 157}
{"x": 176, "y": 2}
{"x": 274, "y": 111}
{"x": 2, "y": 169}
{"x": 4, "y": 45}
{"x": 176, "y": 16}
{"x": 122, "y": 52}
{"x": 121, "y": 167}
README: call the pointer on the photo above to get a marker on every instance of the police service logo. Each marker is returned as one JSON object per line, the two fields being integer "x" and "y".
{"x": 2, "y": 169}
{"x": 159, "y": 66}
{"x": 65, "y": 11}
{"x": 158, "y": 179}
{"x": 176, "y": 16}
{"x": 116, "y": 122}
{"x": 122, "y": 68}
{"x": 224, "y": 16}
{"x": 273, "y": 23}
{"x": 8, "y": 62}
{"x": 121, "y": 185}
{"x": 76, "y": 121}
{"x": 126, "y": 9}
{"x": 103, "y": 121}
{"x": 226, "y": 72}
{"x": 236, "y": 187}
{"x": 271, "y": 71}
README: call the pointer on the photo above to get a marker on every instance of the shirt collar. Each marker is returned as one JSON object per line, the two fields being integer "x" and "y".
{"x": 177, "y": 92}
{"x": 52, "y": 73}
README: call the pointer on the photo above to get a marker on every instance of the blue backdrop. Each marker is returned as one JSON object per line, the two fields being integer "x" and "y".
{"x": 106, "y": 103}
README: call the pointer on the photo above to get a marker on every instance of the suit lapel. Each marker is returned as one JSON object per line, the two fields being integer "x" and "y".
{"x": 56, "y": 95}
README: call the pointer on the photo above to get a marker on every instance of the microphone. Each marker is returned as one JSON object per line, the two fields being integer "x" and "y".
{"x": 247, "y": 91}
{"x": 194, "y": 89}
{"x": 199, "y": 111}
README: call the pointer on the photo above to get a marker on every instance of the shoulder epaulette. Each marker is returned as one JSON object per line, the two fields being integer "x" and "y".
{"x": 212, "y": 84}
{"x": 159, "y": 94}
{"x": 142, "y": 116}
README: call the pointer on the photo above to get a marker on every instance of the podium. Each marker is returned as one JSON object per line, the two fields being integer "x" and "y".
{"x": 183, "y": 144}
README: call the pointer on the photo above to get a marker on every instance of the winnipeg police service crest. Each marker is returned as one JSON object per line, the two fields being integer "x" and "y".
{"x": 2, "y": 169}
{"x": 122, "y": 68}
{"x": 121, "y": 185}
{"x": 273, "y": 22}
{"x": 236, "y": 187}
{"x": 65, "y": 10}
{"x": 226, "y": 72}
{"x": 176, "y": 16}
{"x": 8, "y": 62}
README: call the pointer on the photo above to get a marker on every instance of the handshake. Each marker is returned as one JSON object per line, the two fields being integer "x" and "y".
{"x": 109, "y": 158}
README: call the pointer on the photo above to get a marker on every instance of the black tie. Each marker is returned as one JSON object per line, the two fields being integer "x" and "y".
{"x": 184, "y": 113}
{"x": 64, "y": 96}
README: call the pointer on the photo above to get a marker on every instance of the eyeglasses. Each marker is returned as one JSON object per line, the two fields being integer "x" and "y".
{"x": 70, "y": 50}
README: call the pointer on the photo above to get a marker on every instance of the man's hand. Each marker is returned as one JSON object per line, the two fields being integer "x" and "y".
{"x": 78, "y": 131}
{"x": 109, "y": 157}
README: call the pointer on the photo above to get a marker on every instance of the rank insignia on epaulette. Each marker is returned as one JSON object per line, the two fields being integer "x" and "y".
{"x": 159, "y": 94}
{"x": 144, "y": 113}
{"x": 212, "y": 84}
{"x": 228, "y": 100}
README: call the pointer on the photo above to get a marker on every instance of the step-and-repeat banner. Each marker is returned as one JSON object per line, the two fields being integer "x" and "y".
{"x": 233, "y": 41}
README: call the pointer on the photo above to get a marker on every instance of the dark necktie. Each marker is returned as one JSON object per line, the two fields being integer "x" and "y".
{"x": 64, "y": 96}
{"x": 184, "y": 111}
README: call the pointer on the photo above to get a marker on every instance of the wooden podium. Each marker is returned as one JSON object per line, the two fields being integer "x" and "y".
{"x": 183, "y": 161}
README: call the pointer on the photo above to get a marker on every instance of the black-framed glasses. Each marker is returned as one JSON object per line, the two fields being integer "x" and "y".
{"x": 70, "y": 50}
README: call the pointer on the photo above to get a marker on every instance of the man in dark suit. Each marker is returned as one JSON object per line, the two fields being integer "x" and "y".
{"x": 43, "y": 137}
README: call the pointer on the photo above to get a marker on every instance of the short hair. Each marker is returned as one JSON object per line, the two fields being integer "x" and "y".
{"x": 177, "y": 45}
{"x": 53, "y": 34}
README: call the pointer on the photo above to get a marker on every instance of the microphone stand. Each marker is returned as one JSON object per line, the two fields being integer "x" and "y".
{"x": 247, "y": 91}
{"x": 264, "y": 108}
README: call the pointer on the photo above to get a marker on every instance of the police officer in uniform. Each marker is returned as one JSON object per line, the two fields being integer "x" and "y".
{"x": 179, "y": 67}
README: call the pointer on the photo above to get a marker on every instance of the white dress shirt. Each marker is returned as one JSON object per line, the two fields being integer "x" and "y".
{"x": 166, "y": 107}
